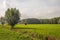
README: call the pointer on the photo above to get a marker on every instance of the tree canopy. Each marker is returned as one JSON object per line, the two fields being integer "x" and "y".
{"x": 12, "y": 16}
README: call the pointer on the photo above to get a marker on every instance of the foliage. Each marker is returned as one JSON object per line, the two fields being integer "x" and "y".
{"x": 59, "y": 21}
{"x": 2, "y": 20}
{"x": 12, "y": 16}
{"x": 41, "y": 21}
{"x": 30, "y": 21}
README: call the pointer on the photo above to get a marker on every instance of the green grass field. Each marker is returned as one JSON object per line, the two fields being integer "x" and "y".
{"x": 34, "y": 31}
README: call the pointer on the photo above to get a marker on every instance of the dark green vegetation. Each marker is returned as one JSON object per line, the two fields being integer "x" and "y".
{"x": 55, "y": 20}
{"x": 12, "y": 16}
{"x": 2, "y": 20}
{"x": 30, "y": 32}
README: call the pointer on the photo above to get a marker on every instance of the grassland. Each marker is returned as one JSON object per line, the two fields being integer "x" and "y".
{"x": 34, "y": 31}
{"x": 8, "y": 35}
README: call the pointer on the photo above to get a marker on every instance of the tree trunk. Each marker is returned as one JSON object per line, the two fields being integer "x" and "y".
{"x": 12, "y": 27}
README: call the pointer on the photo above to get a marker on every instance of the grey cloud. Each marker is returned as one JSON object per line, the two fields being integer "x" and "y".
{"x": 36, "y": 8}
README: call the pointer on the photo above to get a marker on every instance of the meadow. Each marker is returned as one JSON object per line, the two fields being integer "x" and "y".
{"x": 31, "y": 32}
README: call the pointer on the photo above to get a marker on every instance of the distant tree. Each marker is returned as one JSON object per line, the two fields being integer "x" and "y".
{"x": 41, "y": 21}
{"x": 12, "y": 16}
{"x": 2, "y": 20}
{"x": 30, "y": 21}
{"x": 59, "y": 21}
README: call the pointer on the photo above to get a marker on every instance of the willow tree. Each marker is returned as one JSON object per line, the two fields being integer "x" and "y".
{"x": 12, "y": 16}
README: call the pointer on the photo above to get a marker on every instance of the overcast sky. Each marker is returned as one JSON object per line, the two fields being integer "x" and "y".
{"x": 32, "y": 8}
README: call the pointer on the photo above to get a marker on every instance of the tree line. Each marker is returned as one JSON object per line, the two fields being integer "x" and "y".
{"x": 55, "y": 20}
